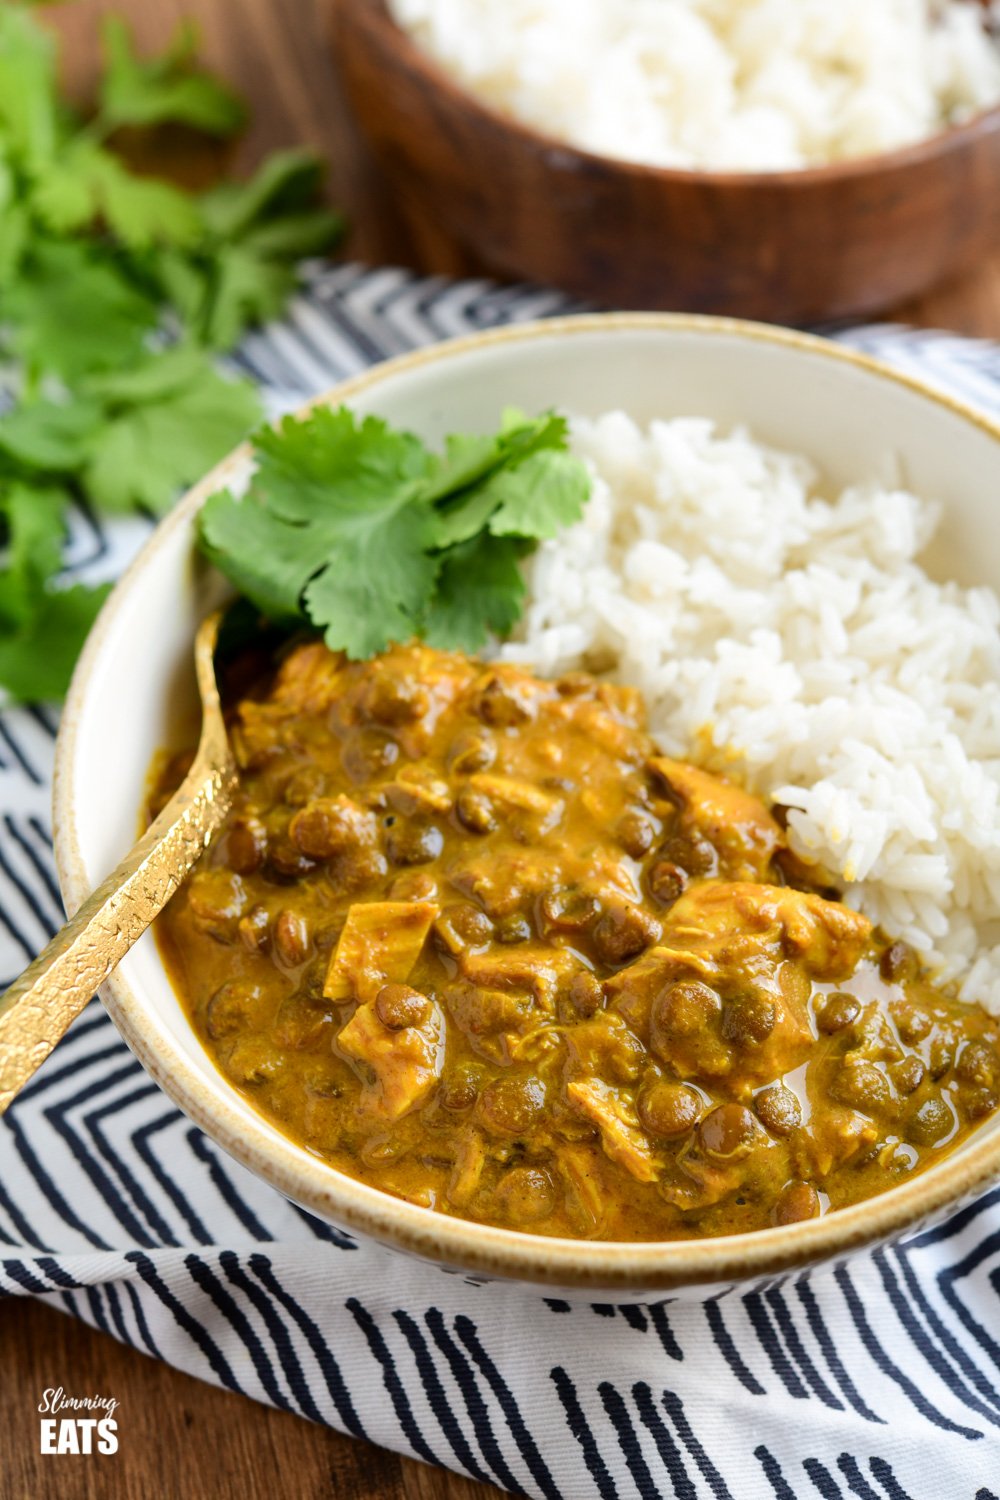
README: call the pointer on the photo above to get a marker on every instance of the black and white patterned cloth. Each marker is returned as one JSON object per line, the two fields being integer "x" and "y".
{"x": 878, "y": 1380}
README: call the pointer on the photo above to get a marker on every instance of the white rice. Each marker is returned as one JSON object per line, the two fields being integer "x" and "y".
{"x": 728, "y": 84}
{"x": 794, "y": 640}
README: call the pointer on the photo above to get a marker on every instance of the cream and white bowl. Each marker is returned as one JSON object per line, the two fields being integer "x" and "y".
{"x": 133, "y": 692}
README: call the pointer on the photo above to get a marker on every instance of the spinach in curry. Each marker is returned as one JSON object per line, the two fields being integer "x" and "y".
{"x": 471, "y": 939}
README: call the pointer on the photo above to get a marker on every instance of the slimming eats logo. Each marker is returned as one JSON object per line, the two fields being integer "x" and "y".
{"x": 95, "y": 1431}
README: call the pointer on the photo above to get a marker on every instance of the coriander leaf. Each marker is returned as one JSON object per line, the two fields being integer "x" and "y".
{"x": 94, "y": 261}
{"x": 287, "y": 183}
{"x": 10, "y": 186}
{"x": 296, "y": 235}
{"x": 28, "y": 111}
{"x": 167, "y": 88}
{"x": 470, "y": 481}
{"x": 465, "y": 461}
{"x": 479, "y": 589}
{"x": 255, "y": 229}
{"x": 243, "y": 290}
{"x": 523, "y": 434}
{"x": 243, "y": 271}
{"x": 330, "y": 459}
{"x": 375, "y": 587}
{"x": 154, "y": 376}
{"x": 539, "y": 496}
{"x": 140, "y": 210}
{"x": 71, "y": 311}
{"x": 37, "y": 659}
{"x": 333, "y": 513}
{"x": 15, "y": 229}
{"x": 15, "y": 220}
{"x": 41, "y": 628}
{"x": 462, "y": 522}
{"x": 35, "y": 533}
{"x": 89, "y": 183}
{"x": 356, "y": 527}
{"x": 150, "y": 450}
{"x": 62, "y": 195}
{"x": 268, "y": 563}
{"x": 185, "y": 282}
{"x": 50, "y": 435}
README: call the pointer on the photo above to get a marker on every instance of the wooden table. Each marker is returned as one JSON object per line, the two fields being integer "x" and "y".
{"x": 179, "y": 1437}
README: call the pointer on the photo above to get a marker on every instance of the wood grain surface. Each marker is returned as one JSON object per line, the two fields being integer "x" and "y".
{"x": 180, "y": 1438}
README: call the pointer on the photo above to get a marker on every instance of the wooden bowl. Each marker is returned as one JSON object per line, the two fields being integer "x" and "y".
{"x": 797, "y": 247}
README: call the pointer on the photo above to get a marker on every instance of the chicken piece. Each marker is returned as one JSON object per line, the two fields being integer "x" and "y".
{"x": 511, "y": 796}
{"x": 834, "y": 1136}
{"x": 501, "y": 881}
{"x": 604, "y": 1047}
{"x": 735, "y": 823}
{"x": 615, "y": 1118}
{"x": 717, "y": 1028}
{"x": 730, "y": 994}
{"x": 631, "y": 992}
{"x": 315, "y": 684}
{"x": 380, "y": 943}
{"x": 493, "y": 1020}
{"x": 611, "y": 725}
{"x": 541, "y": 971}
{"x": 745, "y": 927}
{"x": 581, "y": 1165}
{"x": 730, "y": 1150}
{"x": 699, "y": 1182}
{"x": 261, "y": 734}
{"x": 309, "y": 679}
{"x": 417, "y": 789}
{"x": 312, "y": 679}
{"x": 467, "y": 1172}
{"x": 406, "y": 1062}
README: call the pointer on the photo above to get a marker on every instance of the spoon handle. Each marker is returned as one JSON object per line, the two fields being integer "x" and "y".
{"x": 39, "y": 1006}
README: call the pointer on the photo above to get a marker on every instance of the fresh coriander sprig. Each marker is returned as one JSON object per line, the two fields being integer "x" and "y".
{"x": 364, "y": 533}
{"x": 97, "y": 263}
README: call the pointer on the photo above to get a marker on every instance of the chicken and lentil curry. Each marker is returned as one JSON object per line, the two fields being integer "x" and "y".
{"x": 470, "y": 938}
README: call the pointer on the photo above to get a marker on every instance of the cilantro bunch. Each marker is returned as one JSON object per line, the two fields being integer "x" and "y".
{"x": 116, "y": 292}
{"x": 360, "y": 531}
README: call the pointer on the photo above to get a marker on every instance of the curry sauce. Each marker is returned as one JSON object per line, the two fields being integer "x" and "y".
{"x": 470, "y": 938}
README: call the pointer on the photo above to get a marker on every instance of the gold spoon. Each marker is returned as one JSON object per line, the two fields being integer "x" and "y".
{"x": 39, "y": 1007}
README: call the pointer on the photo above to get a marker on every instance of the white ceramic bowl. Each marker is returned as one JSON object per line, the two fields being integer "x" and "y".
{"x": 133, "y": 692}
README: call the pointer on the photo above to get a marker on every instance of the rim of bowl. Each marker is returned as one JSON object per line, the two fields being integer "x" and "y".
{"x": 939, "y": 144}
{"x": 455, "y": 1242}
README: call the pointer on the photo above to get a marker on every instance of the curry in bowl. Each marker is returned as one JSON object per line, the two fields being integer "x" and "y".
{"x": 470, "y": 938}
